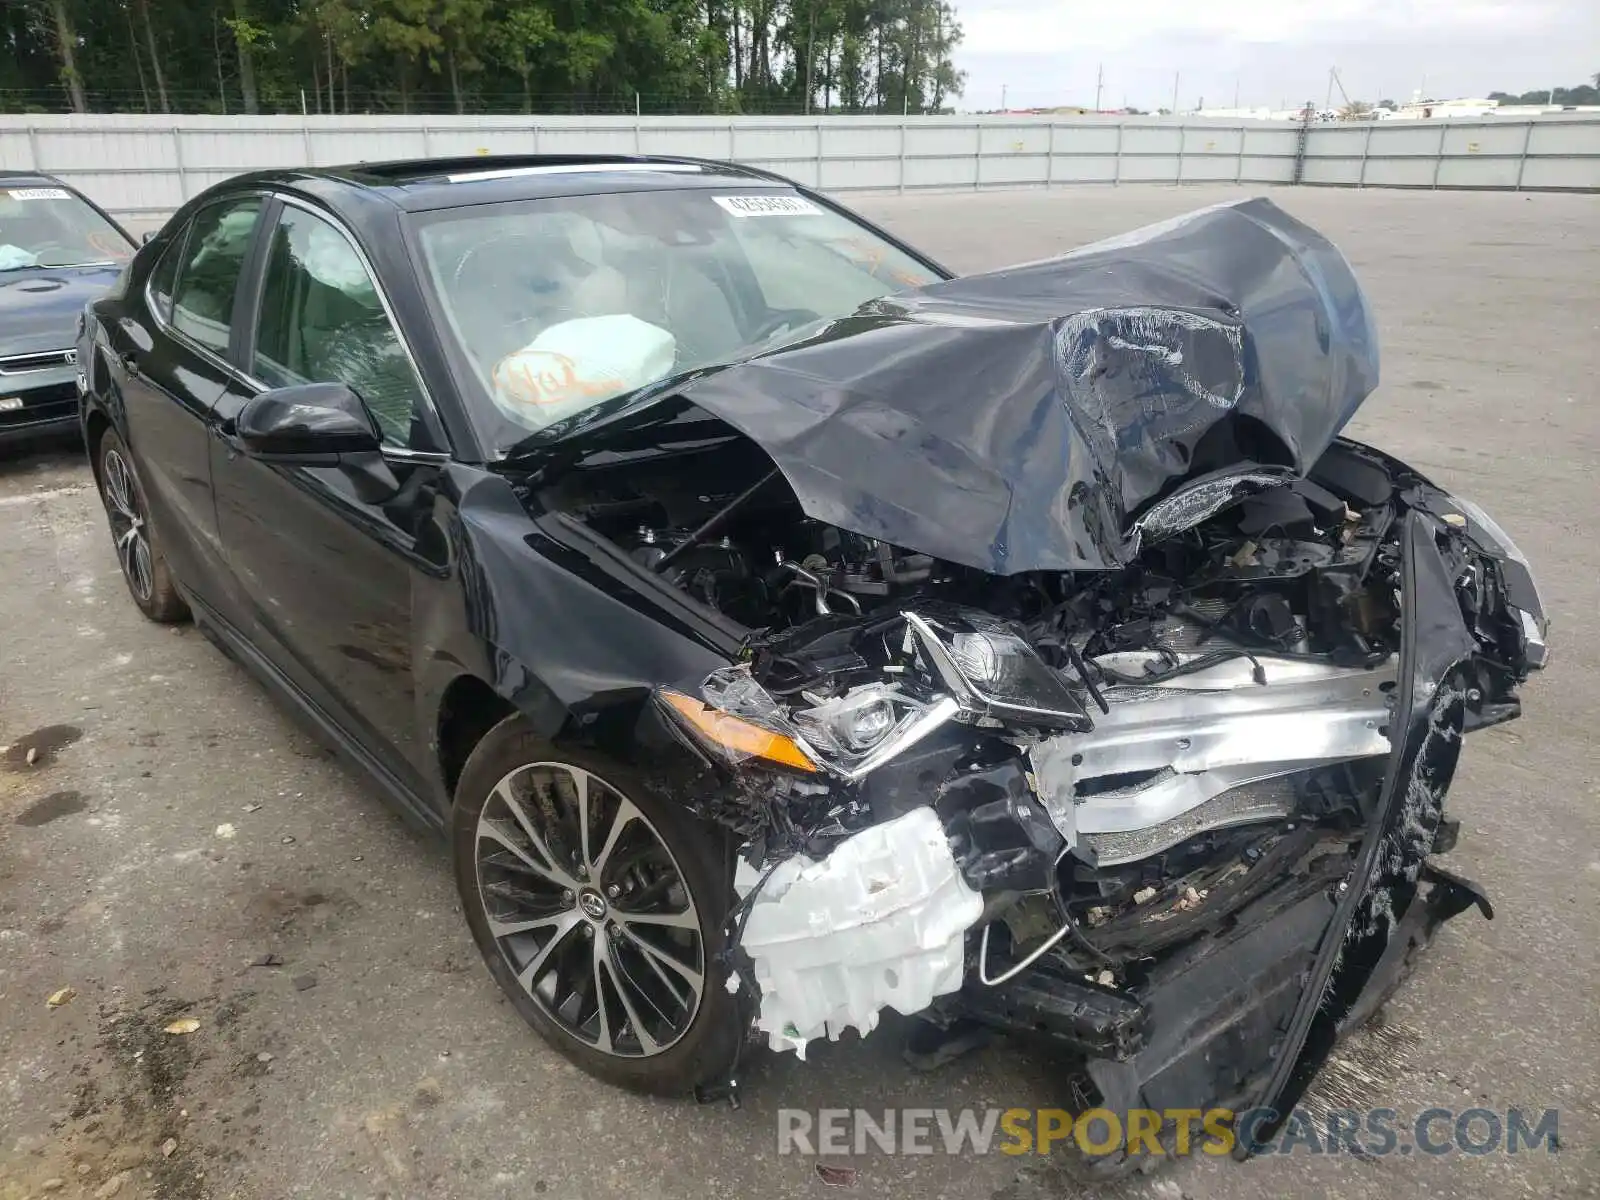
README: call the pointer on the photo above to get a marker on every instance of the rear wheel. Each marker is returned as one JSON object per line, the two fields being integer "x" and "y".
{"x": 144, "y": 569}
{"x": 598, "y": 908}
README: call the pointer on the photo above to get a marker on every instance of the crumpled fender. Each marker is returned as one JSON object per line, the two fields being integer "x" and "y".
{"x": 1371, "y": 915}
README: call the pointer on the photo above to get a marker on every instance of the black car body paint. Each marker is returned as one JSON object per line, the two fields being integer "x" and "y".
{"x": 1084, "y": 450}
{"x": 1025, "y": 419}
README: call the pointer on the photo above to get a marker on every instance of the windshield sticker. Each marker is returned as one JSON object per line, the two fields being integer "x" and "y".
{"x": 40, "y": 194}
{"x": 768, "y": 206}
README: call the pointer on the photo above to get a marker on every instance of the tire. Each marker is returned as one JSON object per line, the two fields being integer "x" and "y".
{"x": 135, "y": 539}
{"x": 660, "y": 866}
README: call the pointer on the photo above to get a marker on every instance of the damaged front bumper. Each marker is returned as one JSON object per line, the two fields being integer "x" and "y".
{"x": 1194, "y": 887}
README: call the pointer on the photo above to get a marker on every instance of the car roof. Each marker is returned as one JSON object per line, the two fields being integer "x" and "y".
{"x": 10, "y": 179}
{"x": 419, "y": 185}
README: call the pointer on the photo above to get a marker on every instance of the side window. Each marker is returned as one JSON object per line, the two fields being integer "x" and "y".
{"x": 202, "y": 305}
{"x": 164, "y": 275}
{"x": 322, "y": 322}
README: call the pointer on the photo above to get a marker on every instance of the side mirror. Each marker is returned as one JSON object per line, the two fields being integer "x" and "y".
{"x": 312, "y": 425}
{"x": 318, "y": 425}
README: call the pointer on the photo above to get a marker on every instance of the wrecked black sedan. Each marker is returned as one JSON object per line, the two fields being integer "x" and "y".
{"x": 782, "y": 631}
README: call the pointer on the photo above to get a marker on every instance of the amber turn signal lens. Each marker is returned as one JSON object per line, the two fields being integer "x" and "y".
{"x": 736, "y": 737}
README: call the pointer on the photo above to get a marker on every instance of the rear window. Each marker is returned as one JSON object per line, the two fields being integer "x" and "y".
{"x": 49, "y": 226}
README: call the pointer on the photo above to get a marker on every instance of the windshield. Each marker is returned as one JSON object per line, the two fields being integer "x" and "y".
{"x": 52, "y": 227}
{"x": 557, "y": 306}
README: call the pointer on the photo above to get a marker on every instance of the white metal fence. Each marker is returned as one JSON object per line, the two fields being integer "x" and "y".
{"x": 146, "y": 166}
{"x": 1537, "y": 153}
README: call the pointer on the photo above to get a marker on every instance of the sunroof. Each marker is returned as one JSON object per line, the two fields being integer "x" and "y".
{"x": 571, "y": 169}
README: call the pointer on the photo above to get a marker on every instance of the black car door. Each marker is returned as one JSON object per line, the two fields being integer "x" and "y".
{"x": 327, "y": 576}
{"x": 168, "y": 362}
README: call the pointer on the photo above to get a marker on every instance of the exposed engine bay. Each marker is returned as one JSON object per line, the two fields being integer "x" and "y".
{"x": 1122, "y": 763}
{"x": 1133, "y": 730}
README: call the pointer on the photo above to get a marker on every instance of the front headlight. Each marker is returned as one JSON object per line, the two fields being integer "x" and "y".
{"x": 1483, "y": 523}
{"x": 849, "y": 736}
{"x": 1529, "y": 608}
{"x": 853, "y": 723}
{"x": 734, "y": 738}
{"x": 994, "y": 672}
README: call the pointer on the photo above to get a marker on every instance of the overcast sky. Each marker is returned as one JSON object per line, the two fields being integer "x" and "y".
{"x": 1277, "y": 52}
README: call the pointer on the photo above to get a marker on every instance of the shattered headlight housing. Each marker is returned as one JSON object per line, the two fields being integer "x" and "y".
{"x": 735, "y": 738}
{"x": 968, "y": 666}
{"x": 855, "y": 722}
{"x": 1495, "y": 540}
{"x": 848, "y": 736}
{"x": 994, "y": 672}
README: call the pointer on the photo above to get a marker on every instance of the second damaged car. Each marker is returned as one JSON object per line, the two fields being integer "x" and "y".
{"x": 784, "y": 632}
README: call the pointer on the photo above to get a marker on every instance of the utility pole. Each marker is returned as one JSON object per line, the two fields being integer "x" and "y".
{"x": 1175, "y": 77}
{"x": 1328, "y": 103}
{"x": 1003, "y": 107}
{"x": 1236, "y": 93}
{"x": 1099, "y": 85}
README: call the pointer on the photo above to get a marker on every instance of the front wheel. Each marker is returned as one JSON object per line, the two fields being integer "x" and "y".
{"x": 598, "y": 908}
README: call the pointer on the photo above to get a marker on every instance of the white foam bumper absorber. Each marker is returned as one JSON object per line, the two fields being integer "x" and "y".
{"x": 878, "y": 923}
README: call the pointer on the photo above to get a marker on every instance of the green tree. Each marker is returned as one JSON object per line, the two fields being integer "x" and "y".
{"x": 401, "y": 30}
{"x": 470, "y": 55}
{"x": 247, "y": 35}
{"x": 519, "y": 40}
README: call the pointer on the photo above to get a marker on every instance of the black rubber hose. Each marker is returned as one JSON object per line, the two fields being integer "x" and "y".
{"x": 715, "y": 521}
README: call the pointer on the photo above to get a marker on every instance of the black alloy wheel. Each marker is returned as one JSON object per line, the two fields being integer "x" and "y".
{"x": 144, "y": 569}
{"x": 598, "y": 908}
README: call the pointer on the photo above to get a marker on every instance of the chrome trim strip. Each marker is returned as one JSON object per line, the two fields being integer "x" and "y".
{"x": 165, "y": 326}
{"x": 407, "y": 455}
{"x": 67, "y": 356}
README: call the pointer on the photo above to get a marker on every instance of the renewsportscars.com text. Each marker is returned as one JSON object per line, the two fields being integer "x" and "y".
{"x": 1178, "y": 1132}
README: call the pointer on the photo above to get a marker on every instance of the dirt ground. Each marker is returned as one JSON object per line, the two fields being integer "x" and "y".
{"x": 172, "y": 847}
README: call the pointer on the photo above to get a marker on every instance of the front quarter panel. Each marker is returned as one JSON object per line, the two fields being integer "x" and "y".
{"x": 555, "y": 629}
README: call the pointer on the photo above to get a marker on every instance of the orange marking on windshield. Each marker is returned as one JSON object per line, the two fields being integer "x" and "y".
{"x": 860, "y": 250}
{"x": 539, "y": 377}
{"x": 112, "y": 247}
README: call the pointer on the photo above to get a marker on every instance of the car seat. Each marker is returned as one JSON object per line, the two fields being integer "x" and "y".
{"x": 353, "y": 342}
{"x": 666, "y": 287}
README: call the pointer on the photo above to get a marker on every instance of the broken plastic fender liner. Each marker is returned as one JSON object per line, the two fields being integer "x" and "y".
{"x": 735, "y": 737}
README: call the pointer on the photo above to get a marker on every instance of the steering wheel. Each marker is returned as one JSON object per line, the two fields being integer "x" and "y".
{"x": 780, "y": 319}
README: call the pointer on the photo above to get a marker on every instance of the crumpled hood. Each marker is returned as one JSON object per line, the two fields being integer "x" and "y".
{"x": 1030, "y": 418}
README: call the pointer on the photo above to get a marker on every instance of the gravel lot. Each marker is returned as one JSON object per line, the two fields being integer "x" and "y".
{"x": 175, "y": 827}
